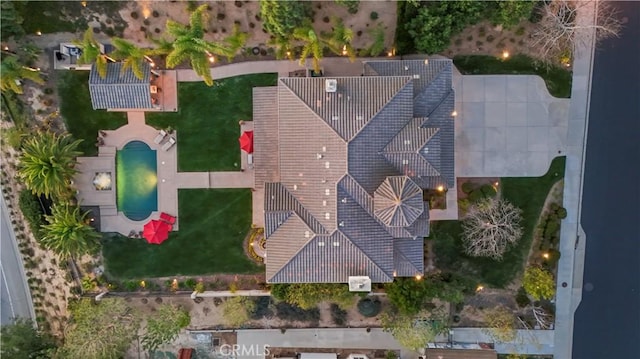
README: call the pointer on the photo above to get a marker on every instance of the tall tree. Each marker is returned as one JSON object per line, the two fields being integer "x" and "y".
{"x": 282, "y": 17}
{"x": 414, "y": 332}
{"x": 12, "y": 73}
{"x": 68, "y": 233}
{"x": 10, "y": 21}
{"x": 539, "y": 283}
{"x": 236, "y": 40}
{"x": 132, "y": 56}
{"x": 47, "y": 163}
{"x": 312, "y": 45}
{"x": 91, "y": 52}
{"x": 22, "y": 340}
{"x": 509, "y": 13}
{"x": 339, "y": 39}
{"x": 491, "y": 227}
{"x": 189, "y": 44}
{"x": 164, "y": 325}
{"x": 560, "y": 31}
{"x": 102, "y": 330}
{"x": 500, "y": 323}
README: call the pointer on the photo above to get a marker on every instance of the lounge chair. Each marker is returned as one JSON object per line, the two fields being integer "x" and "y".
{"x": 168, "y": 218}
{"x": 161, "y": 135}
{"x": 169, "y": 144}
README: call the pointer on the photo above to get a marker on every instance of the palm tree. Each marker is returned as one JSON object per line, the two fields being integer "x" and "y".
{"x": 68, "y": 233}
{"x": 236, "y": 40}
{"x": 312, "y": 45}
{"x": 47, "y": 163}
{"x": 339, "y": 39}
{"x": 132, "y": 56}
{"x": 283, "y": 47}
{"x": 12, "y": 73}
{"x": 189, "y": 44}
{"x": 91, "y": 52}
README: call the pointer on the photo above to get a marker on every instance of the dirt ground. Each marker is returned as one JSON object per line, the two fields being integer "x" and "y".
{"x": 486, "y": 39}
{"x": 224, "y": 14}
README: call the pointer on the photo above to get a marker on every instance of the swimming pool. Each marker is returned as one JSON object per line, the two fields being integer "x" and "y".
{"x": 137, "y": 180}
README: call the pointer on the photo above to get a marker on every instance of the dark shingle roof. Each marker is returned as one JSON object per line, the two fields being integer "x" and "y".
{"x": 346, "y": 197}
{"x": 120, "y": 89}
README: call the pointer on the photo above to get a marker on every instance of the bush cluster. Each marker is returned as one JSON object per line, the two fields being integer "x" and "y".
{"x": 262, "y": 308}
{"x": 338, "y": 315}
{"x": 290, "y": 312}
{"x": 32, "y": 211}
{"x": 475, "y": 194}
{"x": 550, "y": 229}
{"x": 369, "y": 307}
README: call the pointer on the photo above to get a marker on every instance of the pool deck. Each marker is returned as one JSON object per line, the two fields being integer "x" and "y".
{"x": 169, "y": 179}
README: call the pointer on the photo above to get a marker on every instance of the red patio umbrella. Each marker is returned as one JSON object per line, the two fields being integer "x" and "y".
{"x": 156, "y": 232}
{"x": 246, "y": 141}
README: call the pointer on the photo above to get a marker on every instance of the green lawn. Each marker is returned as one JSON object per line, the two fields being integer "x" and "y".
{"x": 83, "y": 122}
{"x": 213, "y": 224}
{"x": 207, "y": 121}
{"x": 557, "y": 79}
{"x": 527, "y": 193}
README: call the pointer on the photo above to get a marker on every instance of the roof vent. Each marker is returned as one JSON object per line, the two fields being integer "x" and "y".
{"x": 327, "y": 215}
{"x": 336, "y": 244}
{"x": 344, "y": 200}
{"x": 307, "y": 234}
{"x": 335, "y": 118}
{"x": 359, "y": 118}
{"x": 320, "y": 244}
{"x": 327, "y": 164}
{"x": 405, "y": 162}
{"x": 406, "y": 68}
{"x": 426, "y": 61}
{"x": 324, "y": 203}
{"x": 426, "y": 150}
{"x": 319, "y": 156}
{"x": 331, "y": 85}
{"x": 324, "y": 148}
{"x": 341, "y": 224}
{"x": 295, "y": 187}
{"x": 416, "y": 76}
{"x": 407, "y": 142}
{"x": 324, "y": 180}
{"x": 327, "y": 192}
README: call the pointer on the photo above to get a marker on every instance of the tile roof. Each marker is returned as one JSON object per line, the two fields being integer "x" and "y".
{"x": 347, "y": 163}
{"x": 120, "y": 89}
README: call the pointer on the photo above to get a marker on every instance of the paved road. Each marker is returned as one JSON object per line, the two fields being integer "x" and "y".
{"x": 607, "y": 322}
{"x": 15, "y": 297}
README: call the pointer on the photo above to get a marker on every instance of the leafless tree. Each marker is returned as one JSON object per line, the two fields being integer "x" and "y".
{"x": 543, "y": 319}
{"x": 490, "y": 227}
{"x": 560, "y": 30}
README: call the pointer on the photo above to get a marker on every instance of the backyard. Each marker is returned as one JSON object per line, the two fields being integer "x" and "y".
{"x": 527, "y": 193}
{"x": 207, "y": 121}
{"x": 213, "y": 224}
{"x": 82, "y": 121}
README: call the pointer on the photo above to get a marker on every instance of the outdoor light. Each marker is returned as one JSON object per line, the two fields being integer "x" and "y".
{"x": 390, "y": 53}
{"x": 143, "y": 284}
{"x": 212, "y": 59}
{"x": 152, "y": 64}
{"x": 344, "y": 50}
{"x": 39, "y": 33}
{"x": 418, "y": 276}
{"x": 288, "y": 53}
{"x": 83, "y": 3}
{"x": 6, "y": 48}
{"x": 497, "y": 183}
{"x": 505, "y": 54}
{"x": 440, "y": 188}
{"x": 546, "y": 255}
{"x": 480, "y": 288}
{"x": 454, "y": 113}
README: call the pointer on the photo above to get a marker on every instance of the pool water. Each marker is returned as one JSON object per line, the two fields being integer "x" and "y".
{"x": 137, "y": 180}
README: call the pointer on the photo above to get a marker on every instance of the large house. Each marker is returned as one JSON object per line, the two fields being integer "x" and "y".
{"x": 344, "y": 164}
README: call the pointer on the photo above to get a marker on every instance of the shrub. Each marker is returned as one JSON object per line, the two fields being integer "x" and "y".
{"x": 190, "y": 283}
{"x": 199, "y": 287}
{"x": 488, "y": 191}
{"x": 369, "y": 307}
{"x": 32, "y": 211}
{"x": 338, "y": 315}
{"x": 490, "y": 38}
{"x": 134, "y": 15}
{"x": 520, "y": 31}
{"x": 552, "y": 227}
{"x": 562, "y": 213}
{"x": 373, "y": 15}
{"x": 467, "y": 187}
{"x": 522, "y": 299}
{"x": 262, "y": 308}
{"x": 131, "y": 285}
{"x": 476, "y": 196}
{"x": 294, "y": 313}
{"x": 554, "y": 256}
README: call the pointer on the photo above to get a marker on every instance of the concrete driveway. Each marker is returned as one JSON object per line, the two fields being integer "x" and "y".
{"x": 507, "y": 126}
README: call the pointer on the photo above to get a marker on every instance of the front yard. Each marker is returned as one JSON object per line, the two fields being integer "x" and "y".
{"x": 527, "y": 193}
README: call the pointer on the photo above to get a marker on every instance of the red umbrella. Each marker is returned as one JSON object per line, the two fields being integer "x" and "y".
{"x": 246, "y": 141}
{"x": 156, "y": 231}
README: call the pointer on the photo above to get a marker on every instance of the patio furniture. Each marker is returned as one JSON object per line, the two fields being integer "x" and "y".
{"x": 161, "y": 135}
{"x": 167, "y": 218}
{"x": 169, "y": 144}
{"x": 246, "y": 141}
{"x": 156, "y": 232}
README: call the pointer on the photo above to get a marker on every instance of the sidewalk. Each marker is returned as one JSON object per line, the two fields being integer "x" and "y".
{"x": 572, "y": 237}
